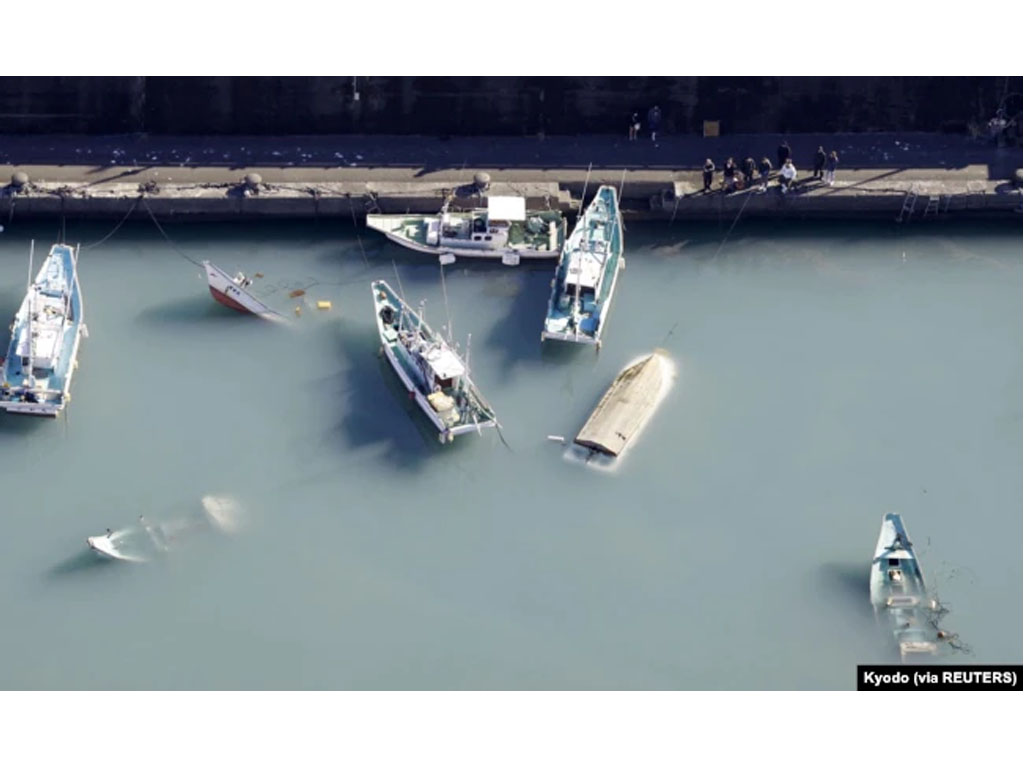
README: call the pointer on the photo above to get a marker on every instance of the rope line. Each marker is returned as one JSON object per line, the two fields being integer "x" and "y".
{"x": 740, "y": 213}
{"x": 355, "y": 226}
{"x": 114, "y": 230}
{"x": 168, "y": 237}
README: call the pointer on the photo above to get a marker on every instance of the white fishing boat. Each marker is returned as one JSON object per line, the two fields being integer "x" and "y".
{"x": 503, "y": 230}
{"x": 430, "y": 369}
{"x": 43, "y": 353}
{"x": 147, "y": 540}
{"x": 899, "y": 594}
{"x": 587, "y": 272}
{"x": 234, "y": 292}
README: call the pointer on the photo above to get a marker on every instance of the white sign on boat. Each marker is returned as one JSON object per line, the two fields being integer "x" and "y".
{"x": 506, "y": 208}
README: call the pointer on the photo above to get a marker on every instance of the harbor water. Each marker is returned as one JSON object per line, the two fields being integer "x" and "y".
{"x": 825, "y": 374}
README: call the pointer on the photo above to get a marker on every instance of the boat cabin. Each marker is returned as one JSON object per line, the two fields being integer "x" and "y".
{"x": 485, "y": 229}
{"x": 442, "y": 367}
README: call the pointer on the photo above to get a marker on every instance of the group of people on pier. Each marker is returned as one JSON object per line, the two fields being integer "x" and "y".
{"x": 742, "y": 177}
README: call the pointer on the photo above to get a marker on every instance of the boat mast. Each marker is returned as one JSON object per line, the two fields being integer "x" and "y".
{"x": 31, "y": 309}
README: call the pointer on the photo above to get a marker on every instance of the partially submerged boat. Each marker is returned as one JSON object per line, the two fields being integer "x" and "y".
{"x": 584, "y": 283}
{"x": 234, "y": 292}
{"x": 147, "y": 540}
{"x": 433, "y": 373}
{"x": 899, "y": 594}
{"x": 626, "y": 406}
{"x": 503, "y": 230}
{"x": 43, "y": 352}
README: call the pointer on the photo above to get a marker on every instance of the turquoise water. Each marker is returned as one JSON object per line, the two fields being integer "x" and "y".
{"x": 826, "y": 373}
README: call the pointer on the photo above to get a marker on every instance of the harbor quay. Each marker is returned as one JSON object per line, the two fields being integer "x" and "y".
{"x": 901, "y": 176}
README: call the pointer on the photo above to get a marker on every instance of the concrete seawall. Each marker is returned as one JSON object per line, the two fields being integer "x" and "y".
{"x": 913, "y": 178}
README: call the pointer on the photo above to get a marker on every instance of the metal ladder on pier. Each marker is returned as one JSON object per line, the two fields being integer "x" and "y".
{"x": 909, "y": 201}
{"x": 932, "y": 207}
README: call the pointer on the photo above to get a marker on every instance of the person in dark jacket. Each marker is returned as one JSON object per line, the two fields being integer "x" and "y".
{"x": 819, "y": 163}
{"x": 749, "y": 166}
{"x": 729, "y": 176}
{"x": 709, "y": 175}
{"x": 653, "y": 121}
{"x": 634, "y": 126}
{"x": 830, "y": 167}
{"x": 765, "y": 168}
{"x": 784, "y": 153}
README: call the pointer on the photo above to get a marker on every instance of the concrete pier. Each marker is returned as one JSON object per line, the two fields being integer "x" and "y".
{"x": 883, "y": 176}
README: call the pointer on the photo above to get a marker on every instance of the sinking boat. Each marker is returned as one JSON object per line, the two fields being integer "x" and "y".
{"x": 503, "y": 230}
{"x": 43, "y": 353}
{"x": 146, "y": 540}
{"x": 433, "y": 373}
{"x": 626, "y": 406}
{"x": 234, "y": 292}
{"x": 899, "y": 594}
{"x": 584, "y": 283}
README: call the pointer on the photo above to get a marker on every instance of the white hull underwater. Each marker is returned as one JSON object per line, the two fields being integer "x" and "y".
{"x": 146, "y": 541}
{"x": 587, "y": 273}
{"x": 232, "y": 292}
{"x": 46, "y": 333}
{"x": 454, "y": 406}
{"x": 504, "y": 230}
{"x": 899, "y": 594}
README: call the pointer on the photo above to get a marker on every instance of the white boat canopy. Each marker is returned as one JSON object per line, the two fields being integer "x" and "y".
{"x": 506, "y": 208}
{"x": 444, "y": 363}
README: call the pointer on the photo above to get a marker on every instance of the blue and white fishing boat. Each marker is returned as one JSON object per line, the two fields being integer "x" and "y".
{"x": 43, "y": 352}
{"x": 899, "y": 594}
{"x": 431, "y": 371}
{"x": 581, "y": 293}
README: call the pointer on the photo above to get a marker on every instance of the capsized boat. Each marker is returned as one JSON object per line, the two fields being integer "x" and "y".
{"x": 584, "y": 283}
{"x": 503, "y": 230}
{"x": 147, "y": 540}
{"x": 899, "y": 594}
{"x": 234, "y": 292}
{"x": 43, "y": 353}
{"x": 431, "y": 370}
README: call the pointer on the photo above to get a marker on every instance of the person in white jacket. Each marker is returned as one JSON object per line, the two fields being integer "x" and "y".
{"x": 788, "y": 175}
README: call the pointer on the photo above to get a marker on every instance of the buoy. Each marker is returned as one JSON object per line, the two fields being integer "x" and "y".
{"x": 296, "y": 293}
{"x": 298, "y": 311}
{"x": 323, "y": 305}
{"x": 557, "y": 439}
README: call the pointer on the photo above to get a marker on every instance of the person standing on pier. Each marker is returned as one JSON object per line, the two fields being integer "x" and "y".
{"x": 784, "y": 153}
{"x": 766, "y": 170}
{"x": 830, "y": 167}
{"x": 788, "y": 174}
{"x": 634, "y": 126}
{"x": 819, "y": 163}
{"x": 749, "y": 166}
{"x": 709, "y": 175}
{"x": 653, "y": 121}
{"x": 729, "y": 176}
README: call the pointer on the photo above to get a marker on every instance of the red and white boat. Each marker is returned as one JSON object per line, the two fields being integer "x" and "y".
{"x": 233, "y": 292}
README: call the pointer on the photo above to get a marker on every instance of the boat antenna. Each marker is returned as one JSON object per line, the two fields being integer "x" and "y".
{"x": 399, "y": 279}
{"x": 447, "y": 309}
{"x": 31, "y": 309}
{"x": 618, "y": 203}
{"x": 585, "y": 182}
{"x": 469, "y": 338}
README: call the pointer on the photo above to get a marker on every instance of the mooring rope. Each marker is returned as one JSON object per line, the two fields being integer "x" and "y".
{"x": 740, "y": 213}
{"x": 355, "y": 226}
{"x": 166, "y": 236}
{"x": 114, "y": 230}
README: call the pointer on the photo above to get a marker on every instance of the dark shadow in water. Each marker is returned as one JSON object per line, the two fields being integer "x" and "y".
{"x": 84, "y": 562}
{"x": 848, "y": 582}
{"x": 195, "y": 310}
{"x": 17, "y": 426}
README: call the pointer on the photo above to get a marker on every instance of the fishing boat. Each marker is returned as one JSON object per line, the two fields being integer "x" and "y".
{"x": 147, "y": 540}
{"x": 899, "y": 594}
{"x": 431, "y": 370}
{"x": 43, "y": 353}
{"x": 584, "y": 283}
{"x": 234, "y": 292}
{"x": 503, "y": 230}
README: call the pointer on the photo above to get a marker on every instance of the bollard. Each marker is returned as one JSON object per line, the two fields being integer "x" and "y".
{"x": 19, "y": 179}
{"x": 482, "y": 180}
